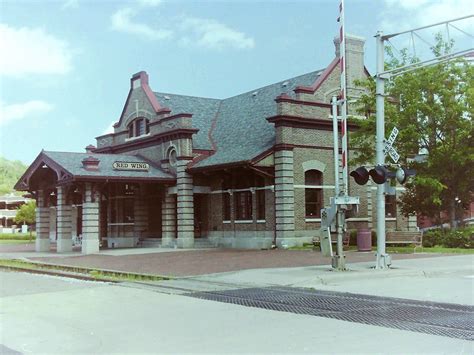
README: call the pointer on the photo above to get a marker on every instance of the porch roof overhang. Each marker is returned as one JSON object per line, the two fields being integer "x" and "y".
{"x": 69, "y": 168}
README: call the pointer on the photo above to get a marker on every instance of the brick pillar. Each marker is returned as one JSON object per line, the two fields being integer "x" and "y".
{"x": 284, "y": 197}
{"x": 52, "y": 223}
{"x": 74, "y": 222}
{"x": 168, "y": 219}
{"x": 90, "y": 221}
{"x": 140, "y": 214}
{"x": 63, "y": 211}
{"x": 185, "y": 204}
{"x": 42, "y": 243}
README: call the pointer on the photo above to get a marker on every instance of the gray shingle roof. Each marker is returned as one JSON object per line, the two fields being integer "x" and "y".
{"x": 203, "y": 110}
{"x": 242, "y": 131}
{"x": 72, "y": 162}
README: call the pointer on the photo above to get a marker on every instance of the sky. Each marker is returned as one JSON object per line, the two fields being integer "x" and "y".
{"x": 65, "y": 66}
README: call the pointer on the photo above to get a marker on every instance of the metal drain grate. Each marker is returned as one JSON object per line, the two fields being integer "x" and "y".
{"x": 444, "y": 319}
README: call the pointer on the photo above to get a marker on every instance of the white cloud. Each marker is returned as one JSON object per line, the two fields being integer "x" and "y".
{"x": 109, "y": 129}
{"x": 209, "y": 33}
{"x": 192, "y": 31}
{"x": 24, "y": 110}
{"x": 406, "y": 14}
{"x": 122, "y": 22}
{"x": 32, "y": 51}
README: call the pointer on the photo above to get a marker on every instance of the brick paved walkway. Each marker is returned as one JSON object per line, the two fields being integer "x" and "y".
{"x": 199, "y": 262}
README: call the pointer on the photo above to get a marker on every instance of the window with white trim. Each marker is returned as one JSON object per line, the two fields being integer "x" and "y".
{"x": 243, "y": 205}
{"x": 138, "y": 127}
{"x": 313, "y": 195}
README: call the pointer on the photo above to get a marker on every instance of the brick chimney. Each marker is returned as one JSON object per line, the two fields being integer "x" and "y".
{"x": 90, "y": 149}
{"x": 90, "y": 163}
{"x": 354, "y": 57}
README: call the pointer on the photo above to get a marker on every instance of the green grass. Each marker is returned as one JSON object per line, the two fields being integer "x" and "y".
{"x": 17, "y": 236}
{"x": 17, "y": 241}
{"x": 436, "y": 249}
{"x": 401, "y": 250}
{"x": 101, "y": 275}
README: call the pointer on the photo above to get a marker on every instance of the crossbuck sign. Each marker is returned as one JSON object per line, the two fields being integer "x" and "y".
{"x": 388, "y": 145}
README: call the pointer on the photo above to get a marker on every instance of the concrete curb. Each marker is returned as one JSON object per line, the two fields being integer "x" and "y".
{"x": 57, "y": 273}
{"x": 71, "y": 273}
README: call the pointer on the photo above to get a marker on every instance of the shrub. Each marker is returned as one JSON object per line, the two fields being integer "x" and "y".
{"x": 450, "y": 238}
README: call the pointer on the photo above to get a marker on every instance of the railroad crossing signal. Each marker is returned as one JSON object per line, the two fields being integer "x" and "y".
{"x": 380, "y": 174}
{"x": 388, "y": 146}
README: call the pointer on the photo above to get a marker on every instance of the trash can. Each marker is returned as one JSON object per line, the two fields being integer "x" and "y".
{"x": 364, "y": 240}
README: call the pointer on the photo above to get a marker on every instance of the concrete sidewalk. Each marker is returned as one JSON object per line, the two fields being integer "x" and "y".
{"x": 430, "y": 277}
{"x": 439, "y": 279}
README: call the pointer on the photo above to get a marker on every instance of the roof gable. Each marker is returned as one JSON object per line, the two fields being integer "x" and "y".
{"x": 69, "y": 166}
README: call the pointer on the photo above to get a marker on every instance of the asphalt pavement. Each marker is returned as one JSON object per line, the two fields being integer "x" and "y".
{"x": 53, "y": 315}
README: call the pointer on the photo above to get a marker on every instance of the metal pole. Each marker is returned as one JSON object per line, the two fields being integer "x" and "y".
{"x": 336, "y": 145}
{"x": 382, "y": 258}
{"x": 339, "y": 261}
{"x": 342, "y": 61}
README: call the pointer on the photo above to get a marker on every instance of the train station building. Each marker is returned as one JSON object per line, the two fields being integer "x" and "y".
{"x": 247, "y": 171}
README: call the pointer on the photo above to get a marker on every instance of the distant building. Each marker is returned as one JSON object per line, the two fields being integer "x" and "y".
{"x": 8, "y": 207}
{"x": 247, "y": 171}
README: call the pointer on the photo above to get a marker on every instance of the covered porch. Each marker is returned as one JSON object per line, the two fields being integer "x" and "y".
{"x": 99, "y": 201}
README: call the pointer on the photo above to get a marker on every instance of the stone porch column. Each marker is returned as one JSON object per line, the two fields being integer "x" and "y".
{"x": 73, "y": 222}
{"x": 168, "y": 219}
{"x": 140, "y": 214}
{"x": 52, "y": 223}
{"x": 42, "y": 243}
{"x": 185, "y": 205}
{"x": 284, "y": 197}
{"x": 63, "y": 221}
{"x": 90, "y": 221}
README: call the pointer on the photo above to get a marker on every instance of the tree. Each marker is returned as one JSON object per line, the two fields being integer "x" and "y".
{"x": 10, "y": 172}
{"x": 26, "y": 213}
{"x": 433, "y": 109}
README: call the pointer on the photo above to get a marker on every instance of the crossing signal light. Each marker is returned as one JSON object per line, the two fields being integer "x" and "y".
{"x": 360, "y": 175}
{"x": 380, "y": 174}
{"x": 402, "y": 174}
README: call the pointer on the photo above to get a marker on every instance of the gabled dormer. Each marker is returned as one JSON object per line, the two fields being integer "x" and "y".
{"x": 145, "y": 122}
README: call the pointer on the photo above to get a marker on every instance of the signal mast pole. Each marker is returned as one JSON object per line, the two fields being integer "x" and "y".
{"x": 383, "y": 260}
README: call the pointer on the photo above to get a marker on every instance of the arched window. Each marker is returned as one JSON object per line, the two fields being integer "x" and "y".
{"x": 138, "y": 127}
{"x": 313, "y": 180}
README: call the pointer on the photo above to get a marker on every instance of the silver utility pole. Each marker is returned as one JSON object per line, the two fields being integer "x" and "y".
{"x": 382, "y": 258}
{"x": 339, "y": 260}
{"x": 336, "y": 145}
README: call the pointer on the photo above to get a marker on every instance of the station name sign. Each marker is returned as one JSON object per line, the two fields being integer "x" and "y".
{"x": 129, "y": 165}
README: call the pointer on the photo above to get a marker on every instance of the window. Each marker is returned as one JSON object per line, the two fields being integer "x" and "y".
{"x": 138, "y": 127}
{"x": 243, "y": 205}
{"x": 172, "y": 156}
{"x": 226, "y": 206}
{"x": 390, "y": 206}
{"x": 260, "y": 195}
{"x": 313, "y": 196}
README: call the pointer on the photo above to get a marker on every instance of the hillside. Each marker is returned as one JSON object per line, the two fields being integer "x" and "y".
{"x": 10, "y": 172}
